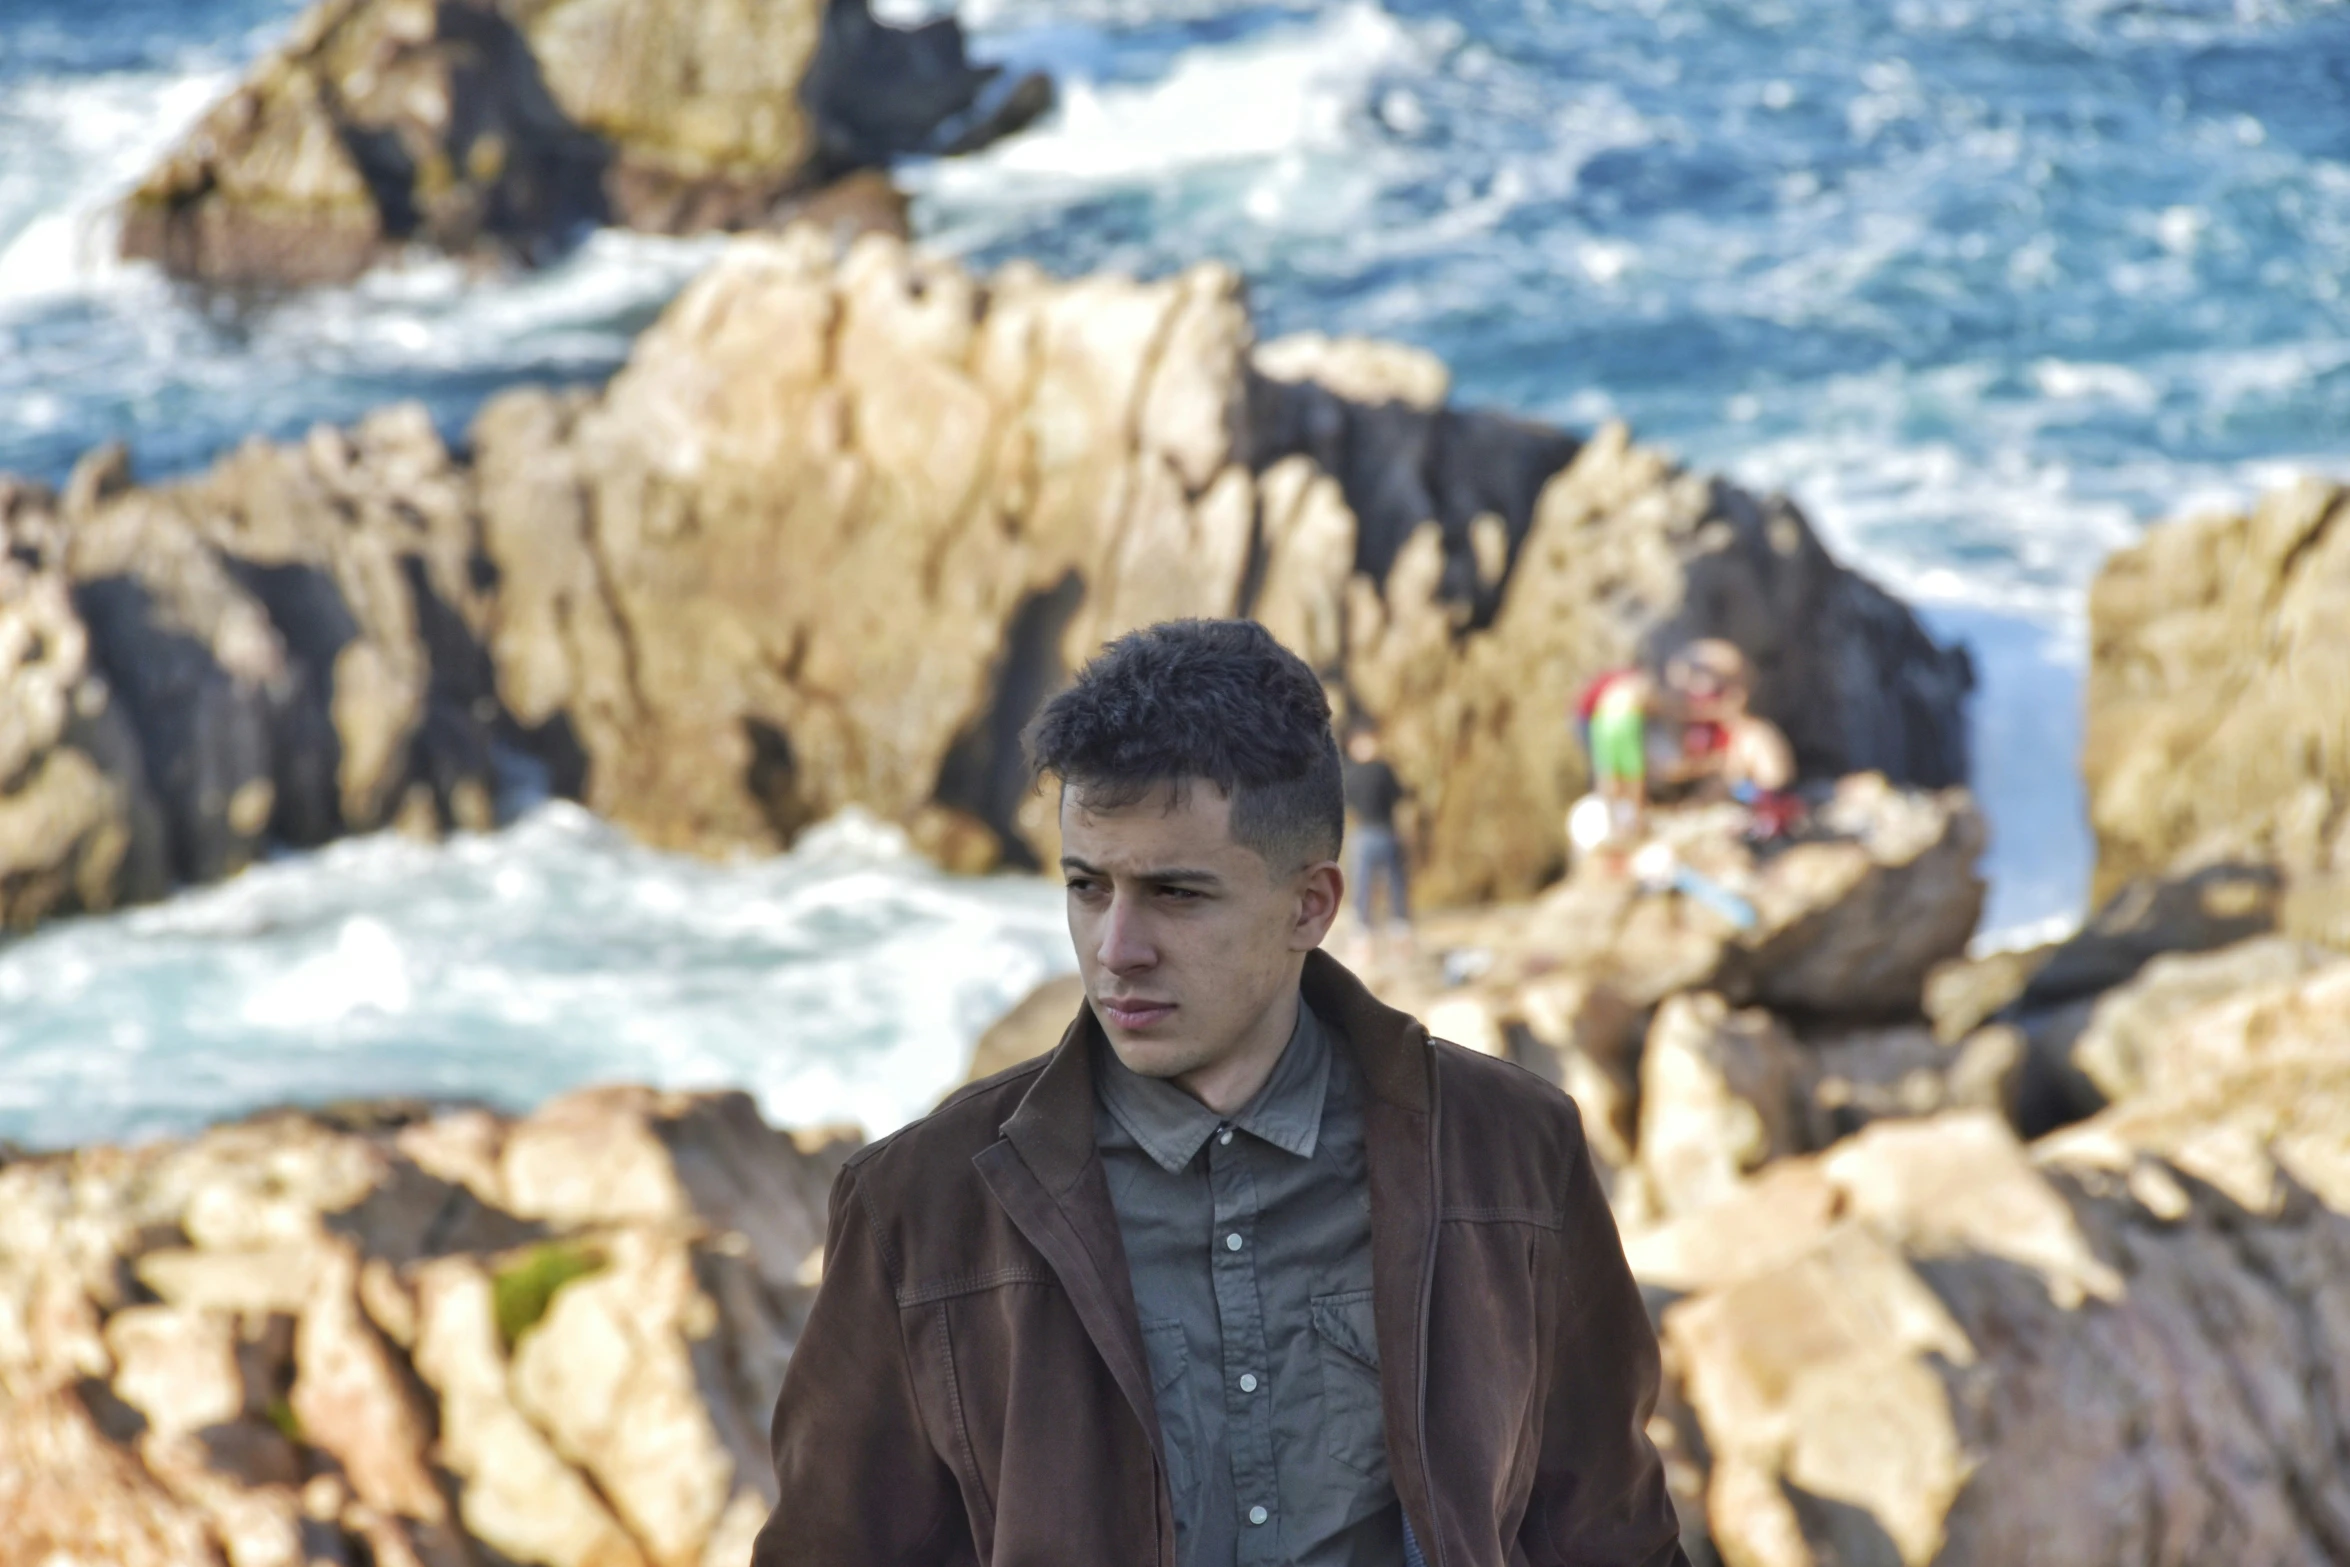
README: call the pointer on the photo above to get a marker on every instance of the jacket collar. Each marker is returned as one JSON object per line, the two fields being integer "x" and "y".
{"x": 1053, "y": 1125}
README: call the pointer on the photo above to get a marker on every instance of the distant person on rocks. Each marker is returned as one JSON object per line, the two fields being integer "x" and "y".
{"x": 1372, "y": 794}
{"x": 1615, "y": 728}
{"x": 1248, "y": 1268}
{"x": 1726, "y": 747}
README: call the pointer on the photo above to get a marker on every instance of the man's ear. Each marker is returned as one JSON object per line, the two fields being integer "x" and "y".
{"x": 1321, "y": 889}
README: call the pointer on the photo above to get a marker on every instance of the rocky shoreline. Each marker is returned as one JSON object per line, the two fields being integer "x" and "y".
{"x": 1896, "y": 1328}
{"x": 2035, "y": 1256}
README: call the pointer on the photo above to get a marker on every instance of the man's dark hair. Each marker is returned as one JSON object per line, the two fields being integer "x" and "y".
{"x": 1213, "y": 699}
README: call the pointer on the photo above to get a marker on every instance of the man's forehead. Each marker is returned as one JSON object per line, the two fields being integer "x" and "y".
{"x": 1190, "y": 811}
{"x": 1167, "y": 797}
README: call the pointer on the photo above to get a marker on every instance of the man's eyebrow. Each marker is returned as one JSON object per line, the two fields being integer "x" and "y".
{"x": 1174, "y": 873}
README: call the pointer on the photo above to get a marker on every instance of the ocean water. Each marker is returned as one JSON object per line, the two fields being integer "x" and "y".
{"x": 1986, "y": 285}
{"x": 844, "y": 981}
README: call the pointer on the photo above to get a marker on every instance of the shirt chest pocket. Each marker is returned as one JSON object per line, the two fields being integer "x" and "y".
{"x": 1170, "y": 1362}
{"x": 1347, "y": 1339}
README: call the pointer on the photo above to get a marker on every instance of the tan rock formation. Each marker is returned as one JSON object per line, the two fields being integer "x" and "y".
{"x": 804, "y": 461}
{"x": 2216, "y": 702}
{"x": 284, "y": 647}
{"x": 1849, "y": 923}
{"x": 2186, "y": 1015}
{"x": 1933, "y": 1345}
{"x": 1928, "y": 1343}
{"x": 842, "y": 525}
{"x": 504, "y": 126}
{"x": 1720, "y": 1096}
{"x": 1033, "y": 1026}
{"x": 356, "y": 1359}
{"x": 78, "y": 828}
{"x": 67, "y": 1493}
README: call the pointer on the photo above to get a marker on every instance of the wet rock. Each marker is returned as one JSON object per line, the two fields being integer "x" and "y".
{"x": 2215, "y": 727}
{"x": 503, "y": 128}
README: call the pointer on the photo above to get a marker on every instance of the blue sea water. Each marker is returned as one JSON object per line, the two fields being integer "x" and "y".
{"x": 1986, "y": 285}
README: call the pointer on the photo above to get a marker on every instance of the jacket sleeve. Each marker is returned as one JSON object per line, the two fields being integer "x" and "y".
{"x": 858, "y": 1482}
{"x": 1599, "y": 1491}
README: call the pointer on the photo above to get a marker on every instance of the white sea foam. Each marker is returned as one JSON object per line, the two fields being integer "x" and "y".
{"x": 1281, "y": 105}
{"x": 77, "y": 147}
{"x": 844, "y": 981}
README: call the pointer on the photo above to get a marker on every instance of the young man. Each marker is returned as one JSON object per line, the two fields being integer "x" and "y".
{"x": 1248, "y": 1269}
{"x": 1372, "y": 793}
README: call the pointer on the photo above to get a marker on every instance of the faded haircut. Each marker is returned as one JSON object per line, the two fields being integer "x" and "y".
{"x": 1218, "y": 700}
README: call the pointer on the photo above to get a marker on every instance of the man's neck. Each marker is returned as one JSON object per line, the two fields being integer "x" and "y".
{"x": 1224, "y": 1085}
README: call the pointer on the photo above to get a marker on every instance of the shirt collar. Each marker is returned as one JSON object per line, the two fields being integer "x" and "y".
{"x": 1172, "y": 1127}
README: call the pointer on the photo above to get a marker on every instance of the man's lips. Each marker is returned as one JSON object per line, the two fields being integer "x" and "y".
{"x": 1137, "y": 1014}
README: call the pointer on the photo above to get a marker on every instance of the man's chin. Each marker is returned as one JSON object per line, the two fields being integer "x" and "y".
{"x": 1152, "y": 1055}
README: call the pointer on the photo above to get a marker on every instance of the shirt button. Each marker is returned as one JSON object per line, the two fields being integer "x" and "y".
{"x": 1225, "y": 1136}
{"x": 1232, "y": 1241}
{"x": 1258, "y": 1515}
{"x": 1248, "y": 1382}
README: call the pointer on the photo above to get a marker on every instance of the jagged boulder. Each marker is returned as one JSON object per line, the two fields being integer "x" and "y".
{"x": 292, "y": 1340}
{"x": 715, "y": 569}
{"x": 1848, "y": 922}
{"x": 1932, "y": 1345}
{"x": 506, "y": 126}
{"x": 2217, "y": 726}
{"x": 2122, "y": 1344}
{"x": 284, "y": 648}
{"x": 79, "y": 828}
{"x": 843, "y": 523}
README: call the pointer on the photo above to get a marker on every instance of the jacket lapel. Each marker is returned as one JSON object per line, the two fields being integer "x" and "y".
{"x": 1047, "y": 1175}
{"x": 1391, "y": 1049}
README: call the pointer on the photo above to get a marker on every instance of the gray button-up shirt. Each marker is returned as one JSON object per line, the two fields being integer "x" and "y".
{"x": 1249, "y": 1239}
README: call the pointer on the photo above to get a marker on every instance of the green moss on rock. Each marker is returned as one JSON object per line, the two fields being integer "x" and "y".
{"x": 524, "y": 1289}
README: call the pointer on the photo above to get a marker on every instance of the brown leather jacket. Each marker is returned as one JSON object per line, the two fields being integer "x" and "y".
{"x": 971, "y": 1386}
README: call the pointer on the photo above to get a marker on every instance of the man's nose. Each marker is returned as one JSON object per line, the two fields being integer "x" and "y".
{"x": 1125, "y": 945}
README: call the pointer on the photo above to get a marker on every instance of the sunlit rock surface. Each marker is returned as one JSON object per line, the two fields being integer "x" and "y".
{"x": 2219, "y": 702}
{"x": 502, "y": 128}
{"x": 407, "y": 1337}
{"x": 844, "y": 522}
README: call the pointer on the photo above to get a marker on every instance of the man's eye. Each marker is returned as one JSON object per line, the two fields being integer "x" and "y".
{"x": 1083, "y": 887}
{"x": 1179, "y": 894}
